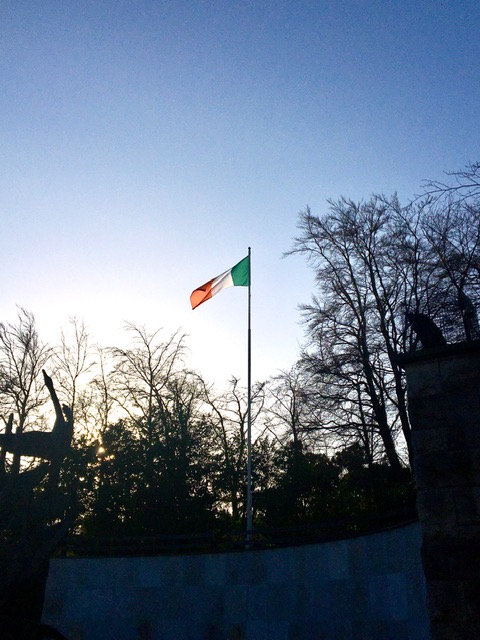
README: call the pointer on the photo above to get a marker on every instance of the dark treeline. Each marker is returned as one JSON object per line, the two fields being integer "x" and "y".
{"x": 158, "y": 450}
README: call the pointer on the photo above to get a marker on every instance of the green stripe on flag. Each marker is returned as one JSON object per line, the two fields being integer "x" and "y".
{"x": 241, "y": 273}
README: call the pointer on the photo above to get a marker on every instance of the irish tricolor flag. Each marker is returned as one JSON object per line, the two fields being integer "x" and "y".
{"x": 237, "y": 276}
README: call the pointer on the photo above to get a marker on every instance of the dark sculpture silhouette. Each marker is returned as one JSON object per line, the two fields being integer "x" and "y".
{"x": 3, "y": 452}
{"x": 427, "y": 331}
{"x": 35, "y": 515}
{"x": 52, "y": 445}
{"x": 469, "y": 315}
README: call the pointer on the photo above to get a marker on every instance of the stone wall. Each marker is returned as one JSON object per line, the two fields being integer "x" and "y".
{"x": 443, "y": 388}
{"x": 365, "y": 588}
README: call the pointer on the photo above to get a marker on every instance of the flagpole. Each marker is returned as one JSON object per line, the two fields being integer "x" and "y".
{"x": 249, "y": 408}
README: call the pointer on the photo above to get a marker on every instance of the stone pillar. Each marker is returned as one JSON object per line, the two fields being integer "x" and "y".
{"x": 443, "y": 387}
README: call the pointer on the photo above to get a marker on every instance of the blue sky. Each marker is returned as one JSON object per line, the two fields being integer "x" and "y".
{"x": 144, "y": 145}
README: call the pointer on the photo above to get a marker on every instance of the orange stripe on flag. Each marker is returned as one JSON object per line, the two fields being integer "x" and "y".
{"x": 202, "y": 294}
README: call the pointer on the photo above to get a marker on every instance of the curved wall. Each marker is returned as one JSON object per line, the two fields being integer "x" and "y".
{"x": 366, "y": 588}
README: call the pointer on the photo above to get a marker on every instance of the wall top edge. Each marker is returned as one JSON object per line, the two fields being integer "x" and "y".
{"x": 448, "y": 351}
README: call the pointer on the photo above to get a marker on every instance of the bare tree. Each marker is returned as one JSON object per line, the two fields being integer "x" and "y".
{"x": 101, "y": 403}
{"x": 73, "y": 360}
{"x": 141, "y": 374}
{"x": 374, "y": 261}
{"x": 452, "y": 234}
{"x": 22, "y": 357}
{"x": 228, "y": 416}
{"x": 161, "y": 404}
{"x": 356, "y": 311}
{"x": 463, "y": 184}
{"x": 289, "y": 412}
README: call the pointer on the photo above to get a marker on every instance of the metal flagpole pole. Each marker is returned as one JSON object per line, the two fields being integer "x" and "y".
{"x": 249, "y": 409}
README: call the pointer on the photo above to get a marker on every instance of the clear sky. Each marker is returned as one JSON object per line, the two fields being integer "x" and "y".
{"x": 144, "y": 145}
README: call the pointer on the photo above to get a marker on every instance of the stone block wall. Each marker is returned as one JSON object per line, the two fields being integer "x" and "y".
{"x": 444, "y": 406}
{"x": 365, "y": 588}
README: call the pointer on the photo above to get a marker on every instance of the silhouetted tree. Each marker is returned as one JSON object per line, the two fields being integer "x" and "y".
{"x": 355, "y": 320}
{"x": 22, "y": 357}
{"x": 375, "y": 261}
{"x": 162, "y": 453}
{"x": 228, "y": 417}
{"x": 73, "y": 361}
{"x": 304, "y": 490}
{"x": 452, "y": 234}
{"x": 460, "y": 185}
{"x": 289, "y": 412}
